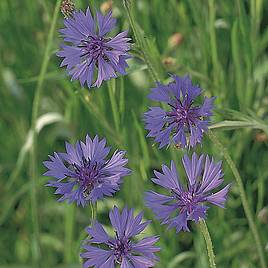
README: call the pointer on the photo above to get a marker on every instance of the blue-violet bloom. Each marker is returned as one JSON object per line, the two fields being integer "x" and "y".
{"x": 89, "y": 51}
{"x": 103, "y": 251}
{"x": 184, "y": 204}
{"x": 83, "y": 174}
{"x": 184, "y": 123}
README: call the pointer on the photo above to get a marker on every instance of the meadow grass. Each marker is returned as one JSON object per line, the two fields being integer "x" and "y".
{"x": 224, "y": 49}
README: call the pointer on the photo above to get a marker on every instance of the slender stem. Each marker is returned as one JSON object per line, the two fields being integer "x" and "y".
{"x": 36, "y": 253}
{"x": 93, "y": 109}
{"x": 140, "y": 42}
{"x": 214, "y": 139}
{"x": 213, "y": 43}
{"x": 93, "y": 207}
{"x": 69, "y": 232}
{"x": 111, "y": 90}
{"x": 243, "y": 196}
{"x": 205, "y": 232}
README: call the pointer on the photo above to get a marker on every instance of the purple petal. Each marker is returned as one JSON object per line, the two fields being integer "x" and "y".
{"x": 97, "y": 233}
{"x": 212, "y": 176}
{"x": 179, "y": 222}
{"x": 96, "y": 256}
{"x": 105, "y": 23}
{"x": 192, "y": 168}
{"x": 220, "y": 197}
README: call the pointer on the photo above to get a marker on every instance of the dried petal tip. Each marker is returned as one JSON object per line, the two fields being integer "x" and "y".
{"x": 67, "y": 8}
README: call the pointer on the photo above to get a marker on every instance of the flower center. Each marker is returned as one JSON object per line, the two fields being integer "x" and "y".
{"x": 121, "y": 247}
{"x": 86, "y": 176}
{"x": 181, "y": 113}
{"x": 93, "y": 47}
{"x": 186, "y": 200}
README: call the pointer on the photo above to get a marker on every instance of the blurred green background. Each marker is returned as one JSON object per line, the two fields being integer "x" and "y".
{"x": 222, "y": 45}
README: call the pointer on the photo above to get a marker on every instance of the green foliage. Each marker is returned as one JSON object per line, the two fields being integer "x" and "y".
{"x": 224, "y": 49}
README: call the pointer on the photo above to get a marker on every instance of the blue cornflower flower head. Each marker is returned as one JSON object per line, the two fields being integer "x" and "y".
{"x": 104, "y": 251}
{"x": 185, "y": 204}
{"x": 84, "y": 174}
{"x": 183, "y": 123}
{"x": 90, "y": 53}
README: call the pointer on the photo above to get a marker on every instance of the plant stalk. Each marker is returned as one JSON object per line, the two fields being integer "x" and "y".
{"x": 111, "y": 89}
{"x": 242, "y": 192}
{"x": 140, "y": 42}
{"x": 36, "y": 251}
{"x": 206, "y": 235}
{"x": 93, "y": 207}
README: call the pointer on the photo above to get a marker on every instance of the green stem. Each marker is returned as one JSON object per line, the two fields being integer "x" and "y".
{"x": 213, "y": 43}
{"x": 93, "y": 207}
{"x": 155, "y": 77}
{"x": 205, "y": 232}
{"x": 140, "y": 42}
{"x": 243, "y": 196}
{"x": 111, "y": 90}
{"x": 36, "y": 253}
{"x": 94, "y": 110}
{"x": 69, "y": 232}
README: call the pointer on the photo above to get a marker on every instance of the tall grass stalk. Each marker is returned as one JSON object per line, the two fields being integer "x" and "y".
{"x": 243, "y": 196}
{"x": 213, "y": 44}
{"x": 36, "y": 252}
{"x": 155, "y": 77}
{"x": 205, "y": 233}
{"x": 111, "y": 90}
{"x": 94, "y": 110}
{"x": 69, "y": 232}
{"x": 139, "y": 40}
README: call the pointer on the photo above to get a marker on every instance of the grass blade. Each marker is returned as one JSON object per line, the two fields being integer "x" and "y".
{"x": 36, "y": 251}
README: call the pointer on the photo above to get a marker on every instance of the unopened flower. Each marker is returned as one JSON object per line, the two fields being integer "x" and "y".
{"x": 175, "y": 40}
{"x": 169, "y": 61}
{"x": 263, "y": 215}
{"x": 183, "y": 123}
{"x": 187, "y": 203}
{"x": 67, "y": 8}
{"x": 261, "y": 137}
{"x": 84, "y": 173}
{"x": 107, "y": 252}
{"x": 106, "y": 6}
{"x": 91, "y": 54}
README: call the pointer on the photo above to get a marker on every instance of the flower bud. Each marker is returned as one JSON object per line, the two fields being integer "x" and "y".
{"x": 106, "y": 6}
{"x": 175, "y": 40}
{"x": 261, "y": 137}
{"x": 169, "y": 61}
{"x": 263, "y": 215}
{"x": 67, "y": 8}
